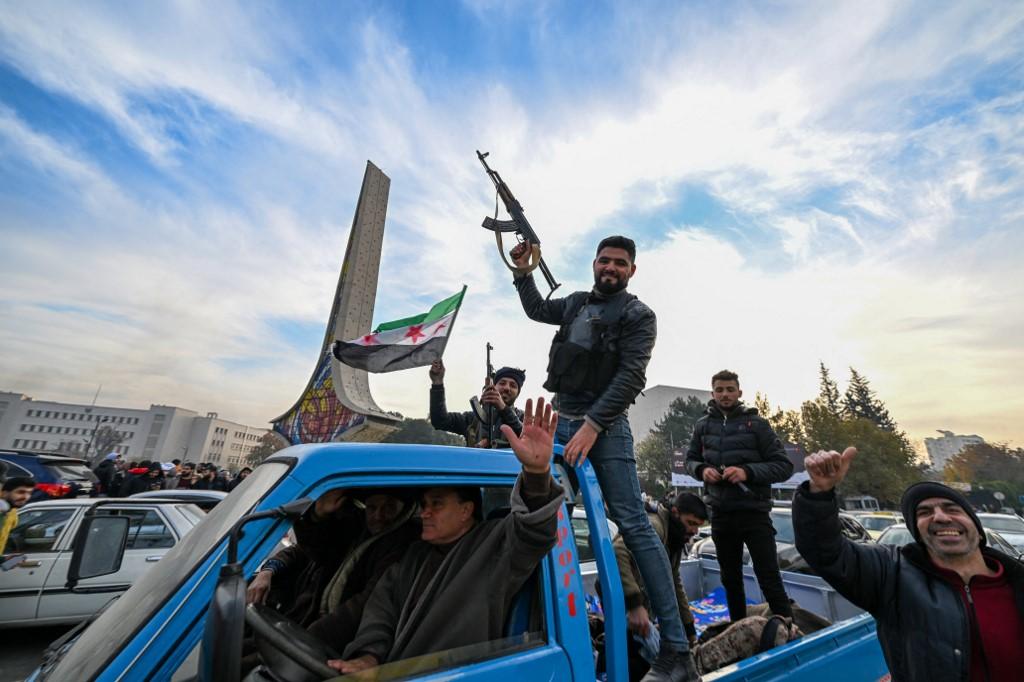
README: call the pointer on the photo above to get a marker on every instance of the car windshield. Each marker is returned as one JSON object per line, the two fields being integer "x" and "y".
{"x": 896, "y": 536}
{"x": 876, "y": 522}
{"x": 783, "y": 527}
{"x": 1003, "y": 524}
{"x": 120, "y": 622}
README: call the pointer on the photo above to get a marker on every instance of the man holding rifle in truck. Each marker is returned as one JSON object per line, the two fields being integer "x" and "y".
{"x": 597, "y": 367}
{"x": 496, "y": 407}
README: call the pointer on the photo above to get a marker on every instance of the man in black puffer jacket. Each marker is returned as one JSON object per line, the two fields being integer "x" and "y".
{"x": 948, "y": 608}
{"x": 738, "y": 456}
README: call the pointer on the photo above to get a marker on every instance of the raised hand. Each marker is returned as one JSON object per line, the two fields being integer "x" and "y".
{"x": 520, "y": 255}
{"x": 828, "y": 469}
{"x": 534, "y": 447}
{"x": 437, "y": 371}
{"x": 491, "y": 396}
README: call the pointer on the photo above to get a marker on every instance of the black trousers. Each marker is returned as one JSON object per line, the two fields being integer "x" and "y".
{"x": 730, "y": 531}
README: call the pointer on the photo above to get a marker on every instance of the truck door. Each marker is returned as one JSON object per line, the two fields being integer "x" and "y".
{"x": 39, "y": 535}
{"x": 149, "y": 538}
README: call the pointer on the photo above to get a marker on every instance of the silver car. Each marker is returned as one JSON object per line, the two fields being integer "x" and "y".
{"x": 1010, "y": 526}
{"x": 35, "y": 591}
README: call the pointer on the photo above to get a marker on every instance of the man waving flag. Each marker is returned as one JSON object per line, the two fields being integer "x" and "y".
{"x": 410, "y": 342}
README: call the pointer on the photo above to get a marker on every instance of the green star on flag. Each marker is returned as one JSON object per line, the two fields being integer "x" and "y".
{"x": 402, "y": 344}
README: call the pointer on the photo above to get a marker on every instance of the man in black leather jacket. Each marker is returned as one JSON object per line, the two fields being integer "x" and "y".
{"x": 738, "y": 456}
{"x": 597, "y": 366}
{"x": 947, "y": 607}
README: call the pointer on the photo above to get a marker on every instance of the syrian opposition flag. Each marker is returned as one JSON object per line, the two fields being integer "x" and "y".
{"x": 410, "y": 342}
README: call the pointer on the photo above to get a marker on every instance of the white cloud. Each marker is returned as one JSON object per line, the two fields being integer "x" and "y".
{"x": 800, "y": 124}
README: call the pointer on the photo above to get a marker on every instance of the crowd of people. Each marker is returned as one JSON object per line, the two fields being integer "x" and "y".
{"x": 117, "y": 477}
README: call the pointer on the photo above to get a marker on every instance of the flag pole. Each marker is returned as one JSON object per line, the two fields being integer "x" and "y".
{"x": 462, "y": 297}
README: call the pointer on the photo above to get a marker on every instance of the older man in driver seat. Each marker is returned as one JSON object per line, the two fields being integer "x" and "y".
{"x": 463, "y": 563}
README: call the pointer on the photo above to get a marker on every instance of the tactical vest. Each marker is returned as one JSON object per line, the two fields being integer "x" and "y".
{"x": 585, "y": 351}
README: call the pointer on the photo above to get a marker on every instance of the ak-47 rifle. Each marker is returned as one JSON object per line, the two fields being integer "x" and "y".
{"x": 486, "y": 416}
{"x": 519, "y": 225}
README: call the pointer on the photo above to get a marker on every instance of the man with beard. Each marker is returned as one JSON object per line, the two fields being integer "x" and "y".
{"x": 738, "y": 456}
{"x": 675, "y": 524}
{"x": 596, "y": 368}
{"x": 500, "y": 395}
{"x": 947, "y": 607}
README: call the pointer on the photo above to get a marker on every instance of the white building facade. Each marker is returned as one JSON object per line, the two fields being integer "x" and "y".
{"x": 161, "y": 433}
{"x": 941, "y": 450}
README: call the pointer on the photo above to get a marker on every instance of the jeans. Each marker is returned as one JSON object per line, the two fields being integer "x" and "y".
{"x": 615, "y": 467}
{"x": 730, "y": 531}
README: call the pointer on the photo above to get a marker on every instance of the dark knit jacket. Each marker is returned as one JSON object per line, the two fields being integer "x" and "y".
{"x": 923, "y": 625}
{"x": 744, "y": 439}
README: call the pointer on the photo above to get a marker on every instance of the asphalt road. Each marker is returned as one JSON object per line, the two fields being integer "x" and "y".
{"x": 21, "y": 649}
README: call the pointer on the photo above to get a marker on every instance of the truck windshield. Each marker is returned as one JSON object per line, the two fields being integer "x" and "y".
{"x": 105, "y": 637}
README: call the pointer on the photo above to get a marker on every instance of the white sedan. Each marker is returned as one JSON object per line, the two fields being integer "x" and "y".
{"x": 35, "y": 591}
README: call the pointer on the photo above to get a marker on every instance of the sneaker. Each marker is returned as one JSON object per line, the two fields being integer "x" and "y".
{"x": 672, "y": 666}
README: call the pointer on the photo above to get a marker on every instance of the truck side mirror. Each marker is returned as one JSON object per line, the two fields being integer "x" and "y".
{"x": 98, "y": 548}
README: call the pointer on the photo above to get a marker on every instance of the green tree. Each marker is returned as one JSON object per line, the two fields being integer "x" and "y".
{"x": 828, "y": 393}
{"x": 104, "y": 440}
{"x": 785, "y": 423}
{"x": 676, "y": 427}
{"x": 885, "y": 461}
{"x": 672, "y": 432}
{"x": 654, "y": 464}
{"x": 860, "y": 401}
{"x": 986, "y": 462}
{"x": 269, "y": 444}
{"x": 421, "y": 431}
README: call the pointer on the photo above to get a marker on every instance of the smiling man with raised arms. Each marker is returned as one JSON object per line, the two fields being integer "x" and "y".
{"x": 947, "y": 606}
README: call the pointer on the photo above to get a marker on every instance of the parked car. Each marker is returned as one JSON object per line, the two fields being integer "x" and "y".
{"x": 861, "y": 503}
{"x": 900, "y": 535}
{"x": 1010, "y": 526}
{"x": 56, "y": 476}
{"x": 876, "y": 522}
{"x": 35, "y": 592}
{"x": 204, "y": 499}
{"x": 785, "y": 539}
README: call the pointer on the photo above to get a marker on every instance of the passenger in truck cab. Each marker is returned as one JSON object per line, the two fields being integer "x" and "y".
{"x": 464, "y": 565}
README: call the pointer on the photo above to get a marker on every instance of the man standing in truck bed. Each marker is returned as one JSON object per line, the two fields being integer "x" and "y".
{"x": 738, "y": 456}
{"x": 596, "y": 368}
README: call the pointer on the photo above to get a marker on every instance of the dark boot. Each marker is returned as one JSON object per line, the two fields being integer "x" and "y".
{"x": 672, "y": 666}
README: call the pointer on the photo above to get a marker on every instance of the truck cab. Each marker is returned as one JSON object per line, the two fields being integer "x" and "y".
{"x": 184, "y": 619}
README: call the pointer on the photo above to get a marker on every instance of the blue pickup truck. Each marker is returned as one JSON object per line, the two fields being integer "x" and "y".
{"x": 184, "y": 620}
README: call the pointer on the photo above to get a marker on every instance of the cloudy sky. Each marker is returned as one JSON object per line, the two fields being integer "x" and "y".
{"x": 836, "y": 182}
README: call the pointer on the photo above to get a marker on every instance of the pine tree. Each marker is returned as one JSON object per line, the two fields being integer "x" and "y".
{"x": 828, "y": 394}
{"x": 860, "y": 401}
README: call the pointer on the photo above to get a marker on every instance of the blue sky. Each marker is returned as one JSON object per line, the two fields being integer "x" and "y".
{"x": 838, "y": 182}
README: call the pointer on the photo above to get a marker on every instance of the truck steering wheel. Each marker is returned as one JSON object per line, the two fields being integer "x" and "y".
{"x": 292, "y": 640}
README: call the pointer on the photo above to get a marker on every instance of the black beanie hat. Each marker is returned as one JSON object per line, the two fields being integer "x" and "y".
{"x": 918, "y": 492}
{"x": 517, "y": 375}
